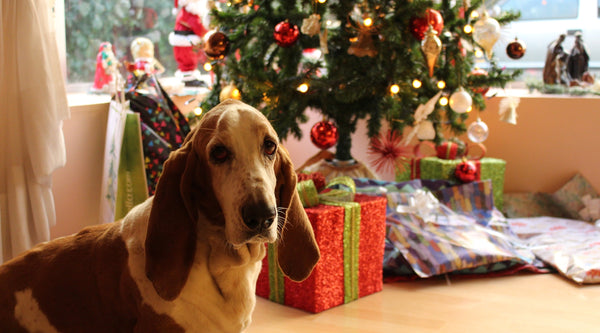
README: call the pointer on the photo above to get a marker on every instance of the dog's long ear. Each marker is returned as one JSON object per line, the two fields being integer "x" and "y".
{"x": 297, "y": 250}
{"x": 171, "y": 235}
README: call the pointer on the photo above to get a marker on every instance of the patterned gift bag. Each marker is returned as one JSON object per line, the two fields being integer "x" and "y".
{"x": 164, "y": 127}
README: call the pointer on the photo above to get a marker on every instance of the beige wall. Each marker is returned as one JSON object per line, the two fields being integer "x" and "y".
{"x": 555, "y": 137}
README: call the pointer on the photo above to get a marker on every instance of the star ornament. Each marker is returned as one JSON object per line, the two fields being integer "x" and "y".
{"x": 387, "y": 152}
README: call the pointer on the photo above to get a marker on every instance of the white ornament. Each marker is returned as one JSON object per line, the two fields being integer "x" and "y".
{"x": 478, "y": 131}
{"x": 460, "y": 101}
{"x": 508, "y": 109}
{"x": 425, "y": 130}
{"x": 421, "y": 113}
{"x": 486, "y": 32}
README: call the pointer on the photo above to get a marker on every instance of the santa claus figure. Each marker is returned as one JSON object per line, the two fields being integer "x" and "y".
{"x": 191, "y": 24}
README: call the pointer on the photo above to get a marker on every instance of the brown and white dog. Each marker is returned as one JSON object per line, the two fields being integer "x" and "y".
{"x": 185, "y": 260}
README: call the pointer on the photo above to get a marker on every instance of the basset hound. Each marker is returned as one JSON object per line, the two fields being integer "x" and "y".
{"x": 185, "y": 260}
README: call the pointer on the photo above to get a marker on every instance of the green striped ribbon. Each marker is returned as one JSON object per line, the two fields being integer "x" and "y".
{"x": 276, "y": 281}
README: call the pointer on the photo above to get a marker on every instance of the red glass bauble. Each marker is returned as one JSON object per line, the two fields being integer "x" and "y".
{"x": 466, "y": 171}
{"x": 418, "y": 25}
{"x": 324, "y": 134}
{"x": 286, "y": 34}
{"x": 515, "y": 49}
{"x": 217, "y": 45}
{"x": 479, "y": 72}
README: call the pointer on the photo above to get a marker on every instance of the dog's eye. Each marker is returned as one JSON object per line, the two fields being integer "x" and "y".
{"x": 270, "y": 147}
{"x": 219, "y": 154}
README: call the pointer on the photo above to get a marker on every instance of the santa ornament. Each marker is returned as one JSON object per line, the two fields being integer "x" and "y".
{"x": 186, "y": 38}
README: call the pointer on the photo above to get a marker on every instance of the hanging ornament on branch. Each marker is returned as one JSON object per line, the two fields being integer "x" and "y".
{"x": 217, "y": 45}
{"x": 418, "y": 25}
{"x": 486, "y": 32}
{"x": 422, "y": 127}
{"x": 324, "y": 134}
{"x": 460, "y": 101}
{"x": 312, "y": 25}
{"x": 431, "y": 46}
{"x": 286, "y": 34}
{"x": 479, "y": 72}
{"x": 363, "y": 45}
{"x": 478, "y": 131}
{"x": 516, "y": 49}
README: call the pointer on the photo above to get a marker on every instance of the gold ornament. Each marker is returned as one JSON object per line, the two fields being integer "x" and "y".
{"x": 363, "y": 46}
{"x": 229, "y": 91}
{"x": 311, "y": 26}
{"x": 431, "y": 46}
{"x": 486, "y": 32}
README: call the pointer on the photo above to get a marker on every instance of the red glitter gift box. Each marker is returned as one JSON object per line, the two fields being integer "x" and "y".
{"x": 351, "y": 240}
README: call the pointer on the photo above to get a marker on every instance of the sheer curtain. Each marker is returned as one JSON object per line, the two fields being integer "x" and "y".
{"x": 33, "y": 105}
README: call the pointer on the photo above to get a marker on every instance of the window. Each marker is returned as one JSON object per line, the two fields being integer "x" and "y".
{"x": 88, "y": 23}
{"x": 542, "y": 9}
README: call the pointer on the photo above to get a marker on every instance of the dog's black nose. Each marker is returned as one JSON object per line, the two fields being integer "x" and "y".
{"x": 258, "y": 216}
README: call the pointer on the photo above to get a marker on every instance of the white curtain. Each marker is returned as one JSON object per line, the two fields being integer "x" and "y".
{"x": 33, "y": 104}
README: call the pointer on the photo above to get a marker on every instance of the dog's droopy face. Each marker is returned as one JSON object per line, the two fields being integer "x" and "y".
{"x": 241, "y": 156}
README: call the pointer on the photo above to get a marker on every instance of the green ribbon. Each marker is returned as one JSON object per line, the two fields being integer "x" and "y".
{"x": 276, "y": 280}
{"x": 340, "y": 193}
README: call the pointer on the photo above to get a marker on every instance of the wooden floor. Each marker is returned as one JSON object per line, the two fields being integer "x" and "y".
{"x": 520, "y": 303}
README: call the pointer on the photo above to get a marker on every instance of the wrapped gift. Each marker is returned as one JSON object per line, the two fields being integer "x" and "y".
{"x": 351, "y": 236}
{"x": 437, "y": 168}
{"x": 461, "y": 233}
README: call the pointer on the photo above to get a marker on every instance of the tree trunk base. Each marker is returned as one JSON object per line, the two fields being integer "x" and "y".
{"x": 335, "y": 168}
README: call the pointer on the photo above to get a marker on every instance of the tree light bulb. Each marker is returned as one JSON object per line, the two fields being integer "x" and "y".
{"x": 197, "y": 111}
{"x": 394, "y": 89}
{"x": 235, "y": 94}
{"x": 468, "y": 29}
{"x": 478, "y": 53}
{"x": 321, "y": 1}
{"x": 368, "y": 22}
{"x": 441, "y": 84}
{"x": 443, "y": 101}
{"x": 474, "y": 14}
{"x": 470, "y": 108}
{"x": 303, "y": 88}
{"x": 207, "y": 67}
{"x": 417, "y": 84}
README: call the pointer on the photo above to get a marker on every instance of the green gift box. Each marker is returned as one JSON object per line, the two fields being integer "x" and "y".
{"x": 437, "y": 168}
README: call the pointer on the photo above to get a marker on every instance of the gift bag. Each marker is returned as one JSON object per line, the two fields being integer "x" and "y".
{"x": 124, "y": 181}
{"x": 131, "y": 184}
{"x": 164, "y": 127}
{"x": 115, "y": 126}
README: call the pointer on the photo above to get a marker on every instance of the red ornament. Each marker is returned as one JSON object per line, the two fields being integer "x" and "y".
{"x": 479, "y": 72}
{"x": 515, "y": 49}
{"x": 286, "y": 34}
{"x": 324, "y": 134}
{"x": 418, "y": 25}
{"x": 466, "y": 171}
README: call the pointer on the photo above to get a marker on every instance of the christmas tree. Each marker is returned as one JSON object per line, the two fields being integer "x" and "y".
{"x": 375, "y": 60}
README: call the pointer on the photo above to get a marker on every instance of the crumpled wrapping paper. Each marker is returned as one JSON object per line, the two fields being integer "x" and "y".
{"x": 572, "y": 247}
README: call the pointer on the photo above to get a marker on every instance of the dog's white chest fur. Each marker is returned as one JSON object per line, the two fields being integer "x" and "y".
{"x": 219, "y": 295}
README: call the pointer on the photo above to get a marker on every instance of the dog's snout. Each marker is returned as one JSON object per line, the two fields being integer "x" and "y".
{"x": 258, "y": 216}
